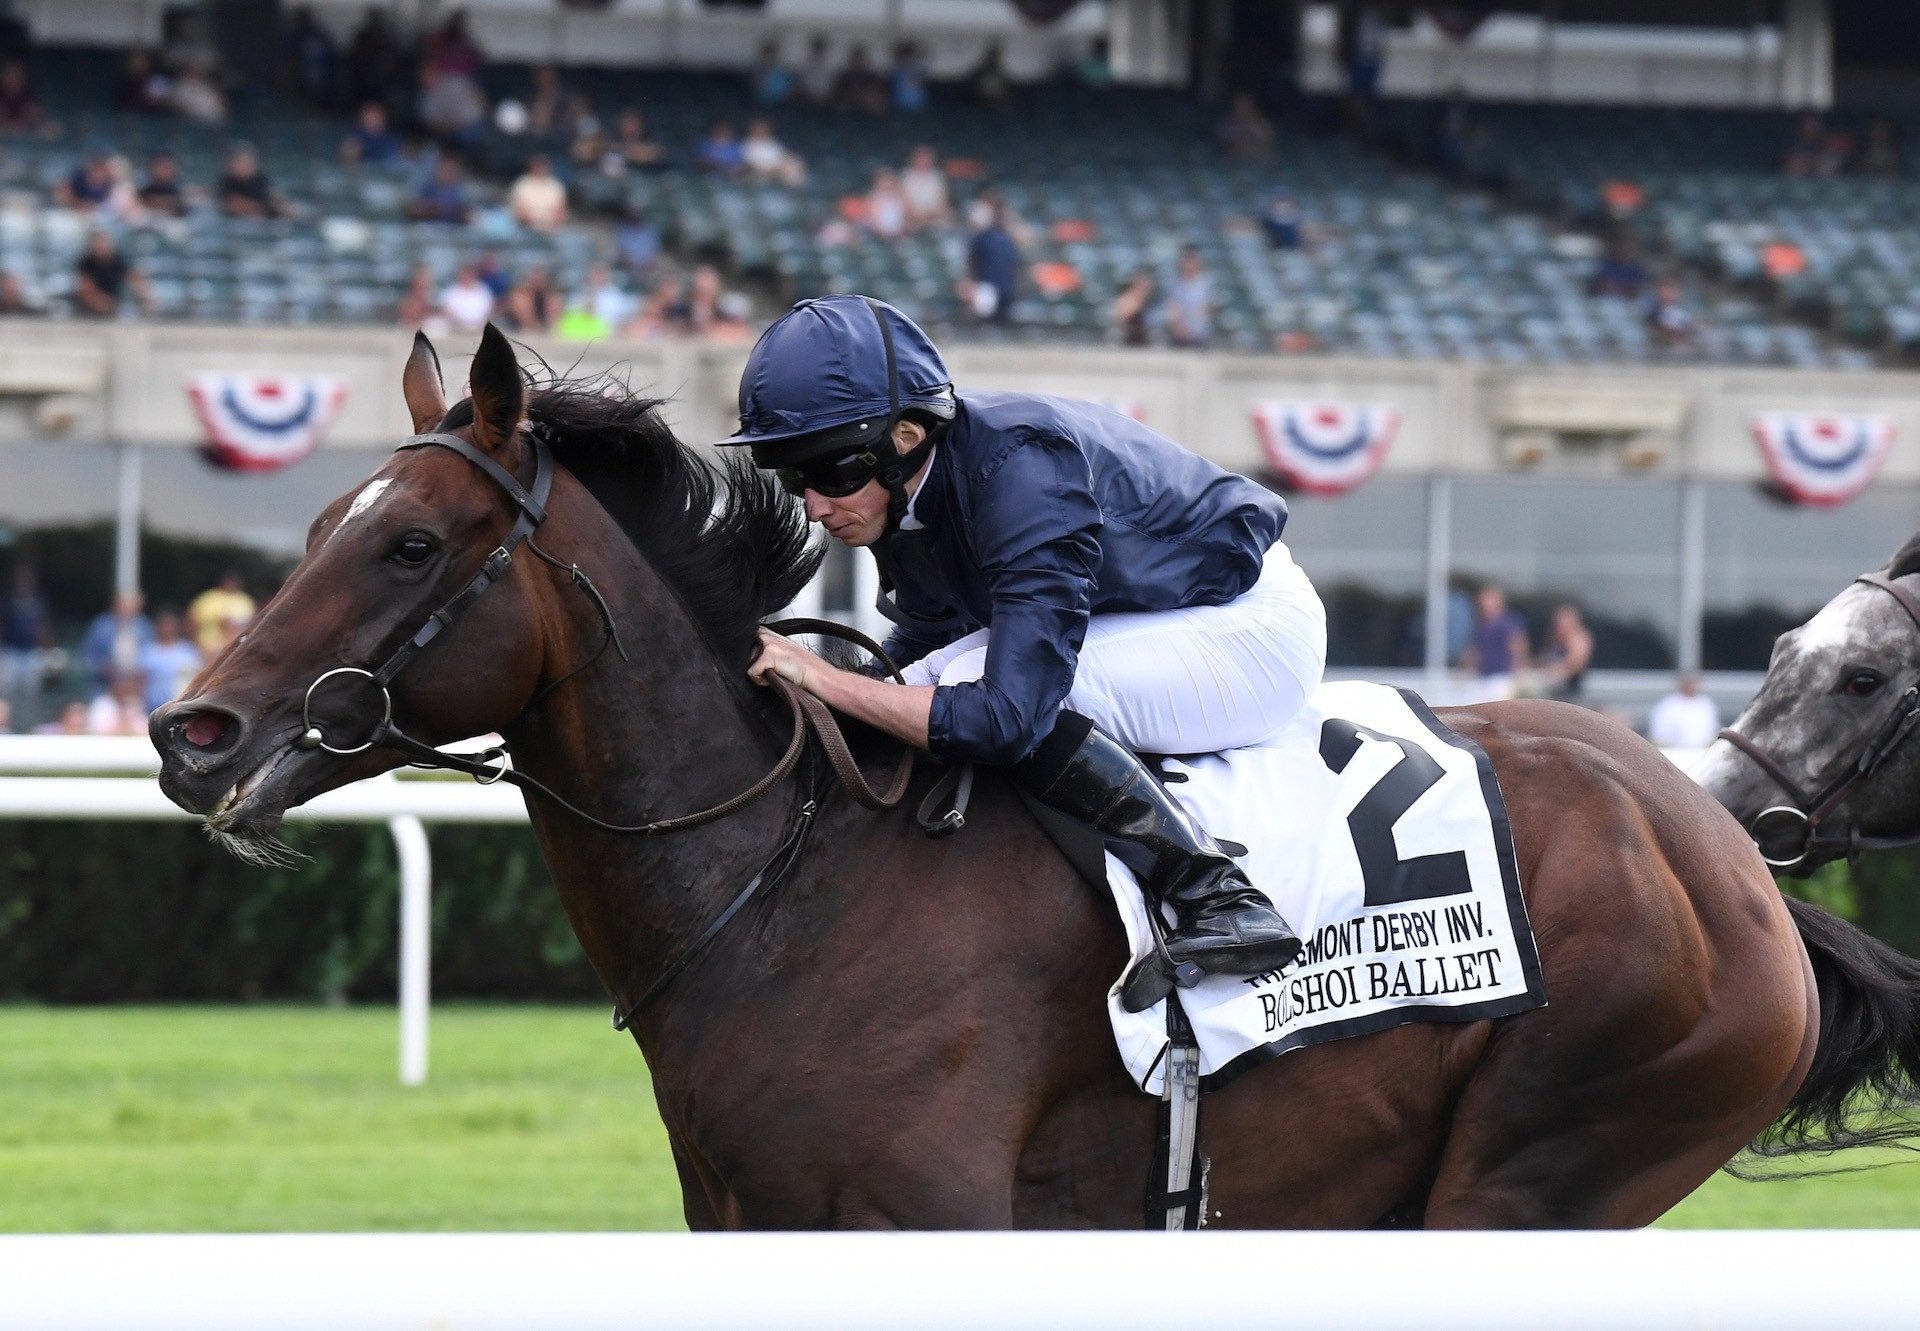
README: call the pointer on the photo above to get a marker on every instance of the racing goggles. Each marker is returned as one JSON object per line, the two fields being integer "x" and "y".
{"x": 835, "y": 476}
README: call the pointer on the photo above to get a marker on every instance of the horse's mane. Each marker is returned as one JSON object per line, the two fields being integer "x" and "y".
{"x": 732, "y": 545}
{"x": 1907, "y": 560}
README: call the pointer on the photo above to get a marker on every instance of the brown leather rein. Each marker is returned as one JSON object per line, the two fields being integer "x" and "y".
{"x": 491, "y": 765}
{"x": 1809, "y": 810}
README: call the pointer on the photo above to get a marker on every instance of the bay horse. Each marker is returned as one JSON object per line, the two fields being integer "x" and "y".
{"x": 913, "y": 1033}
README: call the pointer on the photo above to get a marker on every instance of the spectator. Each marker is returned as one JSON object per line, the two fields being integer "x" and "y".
{"x": 1685, "y": 718}
{"x": 719, "y": 152}
{"x": 467, "y": 303}
{"x": 773, "y": 79}
{"x": 119, "y": 708}
{"x": 993, "y": 263}
{"x": 636, "y": 149}
{"x": 72, "y": 721}
{"x": 372, "y": 141}
{"x": 161, "y": 193}
{"x": 375, "y": 63}
{"x": 533, "y": 304}
{"x": 860, "y": 90}
{"x": 659, "y": 311}
{"x": 196, "y": 97}
{"x": 116, "y": 641}
{"x": 924, "y": 187}
{"x": 245, "y": 191}
{"x": 25, "y": 632}
{"x": 1094, "y": 67}
{"x": 1132, "y": 310}
{"x": 123, "y": 194}
{"x": 1362, "y": 41}
{"x": 1672, "y": 322}
{"x": 1280, "y": 223}
{"x": 886, "y": 206}
{"x": 1619, "y": 272}
{"x": 577, "y": 120}
{"x": 818, "y": 77}
{"x": 637, "y": 240}
{"x": 6, "y": 716}
{"x": 1806, "y": 150}
{"x": 494, "y": 273}
{"x": 103, "y": 278}
{"x": 1188, "y": 310}
{"x": 452, "y": 107}
{"x": 1245, "y": 134}
{"x": 89, "y": 187}
{"x": 706, "y": 310}
{"x": 443, "y": 197}
{"x": 450, "y": 49}
{"x": 907, "y": 80}
{"x": 314, "y": 58}
{"x": 986, "y": 83}
{"x": 140, "y": 88}
{"x": 610, "y": 303}
{"x": 217, "y": 612}
{"x": 419, "y": 305}
{"x": 580, "y": 323}
{"x": 14, "y": 298}
{"x": 589, "y": 150}
{"x": 169, "y": 662}
{"x": 538, "y": 200}
{"x": 548, "y": 104}
{"x": 1563, "y": 666}
{"x": 1497, "y": 651}
{"x": 20, "y": 111}
{"x": 767, "y": 159}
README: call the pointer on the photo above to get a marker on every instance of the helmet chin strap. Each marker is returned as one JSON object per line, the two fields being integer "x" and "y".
{"x": 895, "y": 476}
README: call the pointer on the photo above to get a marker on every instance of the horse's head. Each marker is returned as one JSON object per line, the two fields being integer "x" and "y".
{"x": 1825, "y": 752}
{"x": 240, "y": 746}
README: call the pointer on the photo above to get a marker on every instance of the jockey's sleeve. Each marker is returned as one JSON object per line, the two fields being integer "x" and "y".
{"x": 1036, "y": 529}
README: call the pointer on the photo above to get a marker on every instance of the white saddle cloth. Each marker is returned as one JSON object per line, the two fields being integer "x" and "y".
{"x": 1381, "y": 836}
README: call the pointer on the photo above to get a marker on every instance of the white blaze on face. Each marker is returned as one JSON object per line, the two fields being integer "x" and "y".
{"x": 361, "y": 503}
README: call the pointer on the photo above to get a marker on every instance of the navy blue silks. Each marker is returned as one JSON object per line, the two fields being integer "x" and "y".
{"x": 1036, "y": 512}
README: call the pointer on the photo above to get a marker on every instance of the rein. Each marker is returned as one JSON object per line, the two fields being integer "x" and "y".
{"x": 492, "y": 765}
{"x": 1809, "y": 810}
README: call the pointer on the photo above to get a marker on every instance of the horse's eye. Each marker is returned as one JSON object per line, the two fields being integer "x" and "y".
{"x": 413, "y": 550}
{"x": 1862, "y": 684}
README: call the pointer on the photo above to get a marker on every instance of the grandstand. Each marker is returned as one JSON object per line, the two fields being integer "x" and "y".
{"x": 1551, "y": 281}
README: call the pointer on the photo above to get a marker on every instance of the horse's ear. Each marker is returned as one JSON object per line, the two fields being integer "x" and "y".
{"x": 426, "y": 394}
{"x": 499, "y": 390}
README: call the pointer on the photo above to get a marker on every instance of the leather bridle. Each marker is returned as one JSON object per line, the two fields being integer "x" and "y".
{"x": 1809, "y": 809}
{"x": 492, "y": 764}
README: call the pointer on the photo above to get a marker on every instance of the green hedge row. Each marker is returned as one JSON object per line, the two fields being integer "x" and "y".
{"x": 147, "y": 912}
{"x": 144, "y": 912}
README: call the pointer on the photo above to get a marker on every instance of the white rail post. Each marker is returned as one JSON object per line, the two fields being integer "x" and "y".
{"x": 416, "y": 943}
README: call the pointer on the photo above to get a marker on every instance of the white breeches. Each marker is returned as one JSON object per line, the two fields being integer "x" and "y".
{"x": 1196, "y": 680}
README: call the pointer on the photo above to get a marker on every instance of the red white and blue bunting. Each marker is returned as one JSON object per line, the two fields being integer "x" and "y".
{"x": 1325, "y": 447}
{"x": 1822, "y": 458}
{"x": 262, "y": 422}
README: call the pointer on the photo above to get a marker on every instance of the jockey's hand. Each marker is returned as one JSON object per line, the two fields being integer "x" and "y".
{"x": 786, "y": 658}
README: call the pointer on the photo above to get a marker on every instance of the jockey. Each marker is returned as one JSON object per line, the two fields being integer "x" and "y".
{"x": 1068, "y": 588}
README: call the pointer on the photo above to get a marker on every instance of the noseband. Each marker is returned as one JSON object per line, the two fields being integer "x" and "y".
{"x": 1809, "y": 810}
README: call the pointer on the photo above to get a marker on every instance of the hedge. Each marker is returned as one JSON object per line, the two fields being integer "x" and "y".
{"x": 145, "y": 912}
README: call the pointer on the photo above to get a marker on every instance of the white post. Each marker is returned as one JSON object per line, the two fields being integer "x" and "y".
{"x": 1439, "y": 561}
{"x": 126, "y": 527}
{"x": 416, "y": 943}
{"x": 1693, "y": 572}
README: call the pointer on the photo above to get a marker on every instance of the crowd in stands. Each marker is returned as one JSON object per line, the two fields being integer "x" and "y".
{"x": 130, "y": 662}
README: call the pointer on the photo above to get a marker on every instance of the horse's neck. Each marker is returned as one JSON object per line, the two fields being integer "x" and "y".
{"x": 662, "y": 734}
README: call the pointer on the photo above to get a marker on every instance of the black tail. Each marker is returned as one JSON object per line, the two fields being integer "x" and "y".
{"x": 1865, "y": 1077}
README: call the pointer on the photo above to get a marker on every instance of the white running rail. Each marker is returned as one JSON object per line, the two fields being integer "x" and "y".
{"x": 1649, "y": 1280}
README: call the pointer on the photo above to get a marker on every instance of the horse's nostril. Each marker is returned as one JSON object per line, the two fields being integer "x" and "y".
{"x": 207, "y": 730}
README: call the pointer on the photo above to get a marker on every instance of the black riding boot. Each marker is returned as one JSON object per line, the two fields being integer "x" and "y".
{"x": 1225, "y": 927}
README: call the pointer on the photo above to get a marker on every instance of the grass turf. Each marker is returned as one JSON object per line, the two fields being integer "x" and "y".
{"x": 141, "y": 1119}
